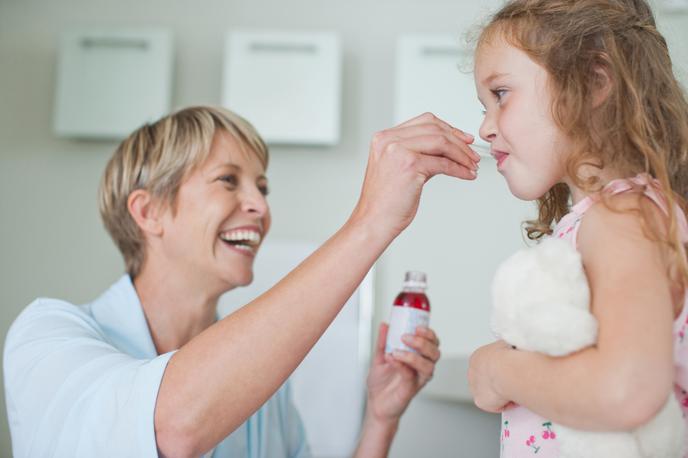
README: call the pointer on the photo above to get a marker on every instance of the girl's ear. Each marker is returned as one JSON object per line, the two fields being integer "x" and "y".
{"x": 146, "y": 211}
{"x": 601, "y": 85}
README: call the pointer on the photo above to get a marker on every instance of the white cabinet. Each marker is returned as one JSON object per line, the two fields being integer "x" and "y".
{"x": 110, "y": 81}
{"x": 435, "y": 74}
{"x": 287, "y": 84}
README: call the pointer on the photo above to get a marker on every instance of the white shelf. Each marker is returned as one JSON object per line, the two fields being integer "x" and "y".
{"x": 450, "y": 382}
{"x": 674, "y": 6}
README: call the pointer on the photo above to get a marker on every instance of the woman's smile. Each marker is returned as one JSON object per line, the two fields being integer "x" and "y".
{"x": 244, "y": 240}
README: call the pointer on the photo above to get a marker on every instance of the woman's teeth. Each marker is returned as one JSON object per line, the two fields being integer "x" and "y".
{"x": 241, "y": 237}
{"x": 243, "y": 247}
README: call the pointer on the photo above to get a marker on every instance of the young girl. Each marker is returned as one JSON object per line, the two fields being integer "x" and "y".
{"x": 584, "y": 114}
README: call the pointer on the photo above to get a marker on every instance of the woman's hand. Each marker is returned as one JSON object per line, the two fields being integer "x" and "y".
{"x": 481, "y": 377}
{"x": 395, "y": 378}
{"x": 402, "y": 159}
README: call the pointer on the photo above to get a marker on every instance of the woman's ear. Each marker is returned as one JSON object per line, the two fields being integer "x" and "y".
{"x": 601, "y": 85}
{"x": 146, "y": 211}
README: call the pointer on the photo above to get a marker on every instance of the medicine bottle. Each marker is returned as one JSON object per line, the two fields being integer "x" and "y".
{"x": 411, "y": 309}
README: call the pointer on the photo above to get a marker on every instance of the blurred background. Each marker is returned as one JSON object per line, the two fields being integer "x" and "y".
{"x": 53, "y": 243}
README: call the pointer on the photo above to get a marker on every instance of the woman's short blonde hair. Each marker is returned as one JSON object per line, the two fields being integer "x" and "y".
{"x": 157, "y": 157}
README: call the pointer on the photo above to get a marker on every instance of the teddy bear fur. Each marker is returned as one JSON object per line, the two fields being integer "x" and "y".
{"x": 541, "y": 303}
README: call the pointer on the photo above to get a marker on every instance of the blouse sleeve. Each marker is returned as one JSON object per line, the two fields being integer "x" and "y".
{"x": 71, "y": 393}
{"x": 292, "y": 426}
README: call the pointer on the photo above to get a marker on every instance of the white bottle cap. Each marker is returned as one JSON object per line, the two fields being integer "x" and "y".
{"x": 415, "y": 279}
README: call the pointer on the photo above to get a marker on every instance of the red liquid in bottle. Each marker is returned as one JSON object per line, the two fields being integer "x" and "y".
{"x": 413, "y": 299}
{"x": 411, "y": 309}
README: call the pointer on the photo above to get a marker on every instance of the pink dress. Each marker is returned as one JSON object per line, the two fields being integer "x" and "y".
{"x": 524, "y": 433}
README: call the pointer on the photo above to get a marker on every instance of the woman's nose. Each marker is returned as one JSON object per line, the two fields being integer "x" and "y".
{"x": 253, "y": 201}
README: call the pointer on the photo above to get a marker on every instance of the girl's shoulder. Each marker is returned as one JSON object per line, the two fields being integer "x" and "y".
{"x": 626, "y": 229}
{"x": 616, "y": 211}
{"x": 635, "y": 207}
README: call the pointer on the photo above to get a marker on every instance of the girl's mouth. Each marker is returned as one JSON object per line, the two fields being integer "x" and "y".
{"x": 500, "y": 157}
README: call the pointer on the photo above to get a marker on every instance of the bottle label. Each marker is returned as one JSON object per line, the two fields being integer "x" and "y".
{"x": 404, "y": 320}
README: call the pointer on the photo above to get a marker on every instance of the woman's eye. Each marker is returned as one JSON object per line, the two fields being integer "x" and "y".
{"x": 231, "y": 180}
{"x": 264, "y": 190}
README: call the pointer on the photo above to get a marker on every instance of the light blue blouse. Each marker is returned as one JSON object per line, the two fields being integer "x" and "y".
{"x": 82, "y": 381}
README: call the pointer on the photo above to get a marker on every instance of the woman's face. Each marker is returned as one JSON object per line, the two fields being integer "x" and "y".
{"x": 221, "y": 217}
{"x": 527, "y": 144}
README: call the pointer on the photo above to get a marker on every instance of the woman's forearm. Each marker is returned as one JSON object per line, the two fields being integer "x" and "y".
{"x": 376, "y": 438}
{"x": 221, "y": 377}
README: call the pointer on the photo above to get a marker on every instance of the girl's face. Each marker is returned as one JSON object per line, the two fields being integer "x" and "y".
{"x": 221, "y": 218}
{"x": 525, "y": 141}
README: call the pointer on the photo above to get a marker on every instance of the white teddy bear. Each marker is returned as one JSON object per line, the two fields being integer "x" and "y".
{"x": 541, "y": 303}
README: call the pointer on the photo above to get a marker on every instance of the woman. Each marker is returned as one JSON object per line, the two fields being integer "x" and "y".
{"x": 146, "y": 369}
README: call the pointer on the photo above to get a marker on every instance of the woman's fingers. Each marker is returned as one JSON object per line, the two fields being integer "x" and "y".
{"x": 418, "y": 148}
{"x": 429, "y": 118}
{"x": 427, "y": 348}
{"x": 435, "y": 165}
{"x": 381, "y": 342}
{"x": 429, "y": 334}
{"x": 422, "y": 366}
{"x": 401, "y": 161}
{"x": 433, "y": 129}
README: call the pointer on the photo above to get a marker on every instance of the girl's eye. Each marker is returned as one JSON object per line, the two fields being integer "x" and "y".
{"x": 264, "y": 190}
{"x": 231, "y": 180}
{"x": 499, "y": 94}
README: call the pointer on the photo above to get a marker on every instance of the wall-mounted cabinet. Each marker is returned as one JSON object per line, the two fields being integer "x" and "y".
{"x": 433, "y": 73}
{"x": 110, "y": 81}
{"x": 288, "y": 84}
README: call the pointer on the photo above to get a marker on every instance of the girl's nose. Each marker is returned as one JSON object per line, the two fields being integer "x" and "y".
{"x": 488, "y": 130}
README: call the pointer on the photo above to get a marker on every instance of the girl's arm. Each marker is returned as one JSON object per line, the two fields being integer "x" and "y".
{"x": 626, "y": 378}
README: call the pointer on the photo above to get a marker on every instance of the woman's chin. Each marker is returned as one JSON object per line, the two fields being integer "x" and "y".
{"x": 237, "y": 281}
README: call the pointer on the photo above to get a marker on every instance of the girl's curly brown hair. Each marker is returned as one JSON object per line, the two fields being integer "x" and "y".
{"x": 641, "y": 125}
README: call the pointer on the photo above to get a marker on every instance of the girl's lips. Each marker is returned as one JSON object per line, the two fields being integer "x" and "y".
{"x": 500, "y": 156}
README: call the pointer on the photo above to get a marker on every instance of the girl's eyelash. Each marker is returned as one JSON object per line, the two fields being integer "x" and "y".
{"x": 498, "y": 93}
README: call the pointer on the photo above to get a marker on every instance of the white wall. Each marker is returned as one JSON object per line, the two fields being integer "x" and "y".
{"x": 52, "y": 241}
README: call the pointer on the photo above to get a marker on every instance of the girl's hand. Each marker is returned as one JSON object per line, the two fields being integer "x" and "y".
{"x": 481, "y": 377}
{"x": 401, "y": 160}
{"x": 395, "y": 378}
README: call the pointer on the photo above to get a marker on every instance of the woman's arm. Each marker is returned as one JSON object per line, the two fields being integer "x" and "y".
{"x": 222, "y": 376}
{"x": 394, "y": 379}
{"x": 626, "y": 378}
